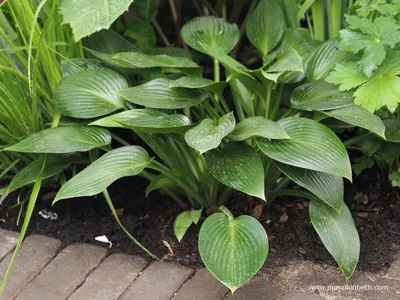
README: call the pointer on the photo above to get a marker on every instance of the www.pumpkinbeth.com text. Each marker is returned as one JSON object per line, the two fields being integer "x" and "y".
{"x": 348, "y": 287}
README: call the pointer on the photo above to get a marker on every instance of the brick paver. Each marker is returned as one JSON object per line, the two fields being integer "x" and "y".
{"x": 257, "y": 289}
{"x": 202, "y": 286}
{"x": 394, "y": 270}
{"x": 36, "y": 252}
{"x": 301, "y": 296}
{"x": 65, "y": 273}
{"x": 8, "y": 241}
{"x": 111, "y": 278}
{"x": 159, "y": 281}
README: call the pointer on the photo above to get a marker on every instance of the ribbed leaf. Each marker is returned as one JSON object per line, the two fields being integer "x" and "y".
{"x": 265, "y": 26}
{"x": 118, "y": 163}
{"x": 290, "y": 61}
{"x": 320, "y": 95}
{"x": 116, "y": 120}
{"x": 76, "y": 65}
{"x": 157, "y": 94}
{"x": 324, "y": 59}
{"x": 160, "y": 182}
{"x": 54, "y": 165}
{"x": 338, "y": 234}
{"x": 233, "y": 249}
{"x": 88, "y": 16}
{"x": 392, "y": 130}
{"x": 210, "y": 34}
{"x": 63, "y": 139}
{"x": 89, "y": 94}
{"x": 138, "y": 60}
{"x": 312, "y": 146}
{"x": 257, "y": 127}
{"x": 358, "y": 116}
{"x": 192, "y": 82}
{"x": 328, "y": 188}
{"x": 159, "y": 124}
{"x": 239, "y": 167}
{"x": 208, "y": 134}
{"x": 184, "y": 220}
{"x": 146, "y": 9}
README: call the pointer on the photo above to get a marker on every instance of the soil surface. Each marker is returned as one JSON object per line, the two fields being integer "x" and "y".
{"x": 375, "y": 206}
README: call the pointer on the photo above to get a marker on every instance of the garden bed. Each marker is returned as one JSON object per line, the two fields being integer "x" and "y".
{"x": 151, "y": 219}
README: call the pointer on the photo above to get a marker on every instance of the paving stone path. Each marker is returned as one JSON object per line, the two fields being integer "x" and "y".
{"x": 47, "y": 270}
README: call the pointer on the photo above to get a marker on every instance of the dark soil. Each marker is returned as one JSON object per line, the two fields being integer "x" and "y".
{"x": 150, "y": 220}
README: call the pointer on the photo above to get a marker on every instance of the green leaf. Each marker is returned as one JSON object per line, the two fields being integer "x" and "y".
{"x": 290, "y": 61}
{"x": 324, "y": 59}
{"x": 395, "y": 178}
{"x": 210, "y": 34}
{"x": 184, "y": 220}
{"x": 347, "y": 75}
{"x": 233, "y": 249}
{"x": 392, "y": 130}
{"x": 157, "y": 94}
{"x": 238, "y": 166}
{"x": 319, "y": 95}
{"x": 162, "y": 123}
{"x": 192, "y": 82}
{"x": 89, "y": 94}
{"x": 362, "y": 163}
{"x": 265, "y": 26}
{"x": 257, "y": 127}
{"x": 160, "y": 182}
{"x": 338, "y": 234}
{"x": 209, "y": 133}
{"x": 118, "y": 163}
{"x": 54, "y": 165}
{"x": 312, "y": 146}
{"x": 138, "y": 60}
{"x": 328, "y": 188}
{"x": 116, "y": 120}
{"x": 146, "y": 9}
{"x": 63, "y": 139}
{"x": 379, "y": 92}
{"x": 142, "y": 33}
{"x": 76, "y": 65}
{"x": 88, "y": 16}
{"x": 358, "y": 116}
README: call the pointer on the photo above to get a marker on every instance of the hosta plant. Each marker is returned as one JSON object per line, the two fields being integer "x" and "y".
{"x": 207, "y": 139}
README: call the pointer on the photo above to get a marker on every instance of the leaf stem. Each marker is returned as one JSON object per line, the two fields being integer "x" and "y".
{"x": 226, "y": 212}
{"x": 161, "y": 32}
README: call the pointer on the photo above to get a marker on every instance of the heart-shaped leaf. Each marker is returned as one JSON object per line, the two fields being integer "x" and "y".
{"x": 208, "y": 134}
{"x": 159, "y": 124}
{"x": 118, "y": 163}
{"x": 392, "y": 130}
{"x": 157, "y": 94}
{"x": 320, "y": 95}
{"x": 210, "y": 34}
{"x": 63, "y": 139}
{"x": 289, "y": 61}
{"x": 184, "y": 220}
{"x": 233, "y": 249}
{"x": 265, "y": 26}
{"x": 116, "y": 120}
{"x": 257, "y": 127}
{"x": 89, "y": 94}
{"x": 338, "y": 234}
{"x": 76, "y": 65}
{"x": 239, "y": 167}
{"x": 87, "y": 17}
{"x": 192, "y": 82}
{"x": 358, "y": 116}
{"x": 329, "y": 188}
{"x": 312, "y": 146}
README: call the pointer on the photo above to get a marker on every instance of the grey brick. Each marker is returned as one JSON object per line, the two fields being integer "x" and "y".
{"x": 8, "y": 241}
{"x": 257, "y": 289}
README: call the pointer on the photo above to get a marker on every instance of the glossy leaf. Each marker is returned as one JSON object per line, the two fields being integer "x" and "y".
{"x": 319, "y": 95}
{"x": 89, "y": 94}
{"x": 233, "y": 249}
{"x": 118, "y": 163}
{"x": 328, "y": 188}
{"x": 63, "y": 139}
{"x": 209, "y": 133}
{"x": 88, "y": 16}
{"x": 163, "y": 123}
{"x": 239, "y": 167}
{"x": 160, "y": 182}
{"x": 76, "y": 65}
{"x": 312, "y": 146}
{"x": 324, "y": 59}
{"x": 257, "y": 127}
{"x": 392, "y": 130}
{"x": 192, "y": 82}
{"x": 146, "y": 9}
{"x": 157, "y": 94}
{"x": 358, "y": 116}
{"x": 290, "y": 61}
{"x": 116, "y": 120}
{"x": 338, "y": 234}
{"x": 184, "y": 220}
{"x": 210, "y": 34}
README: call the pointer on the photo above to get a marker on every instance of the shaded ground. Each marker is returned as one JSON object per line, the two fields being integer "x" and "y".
{"x": 150, "y": 220}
